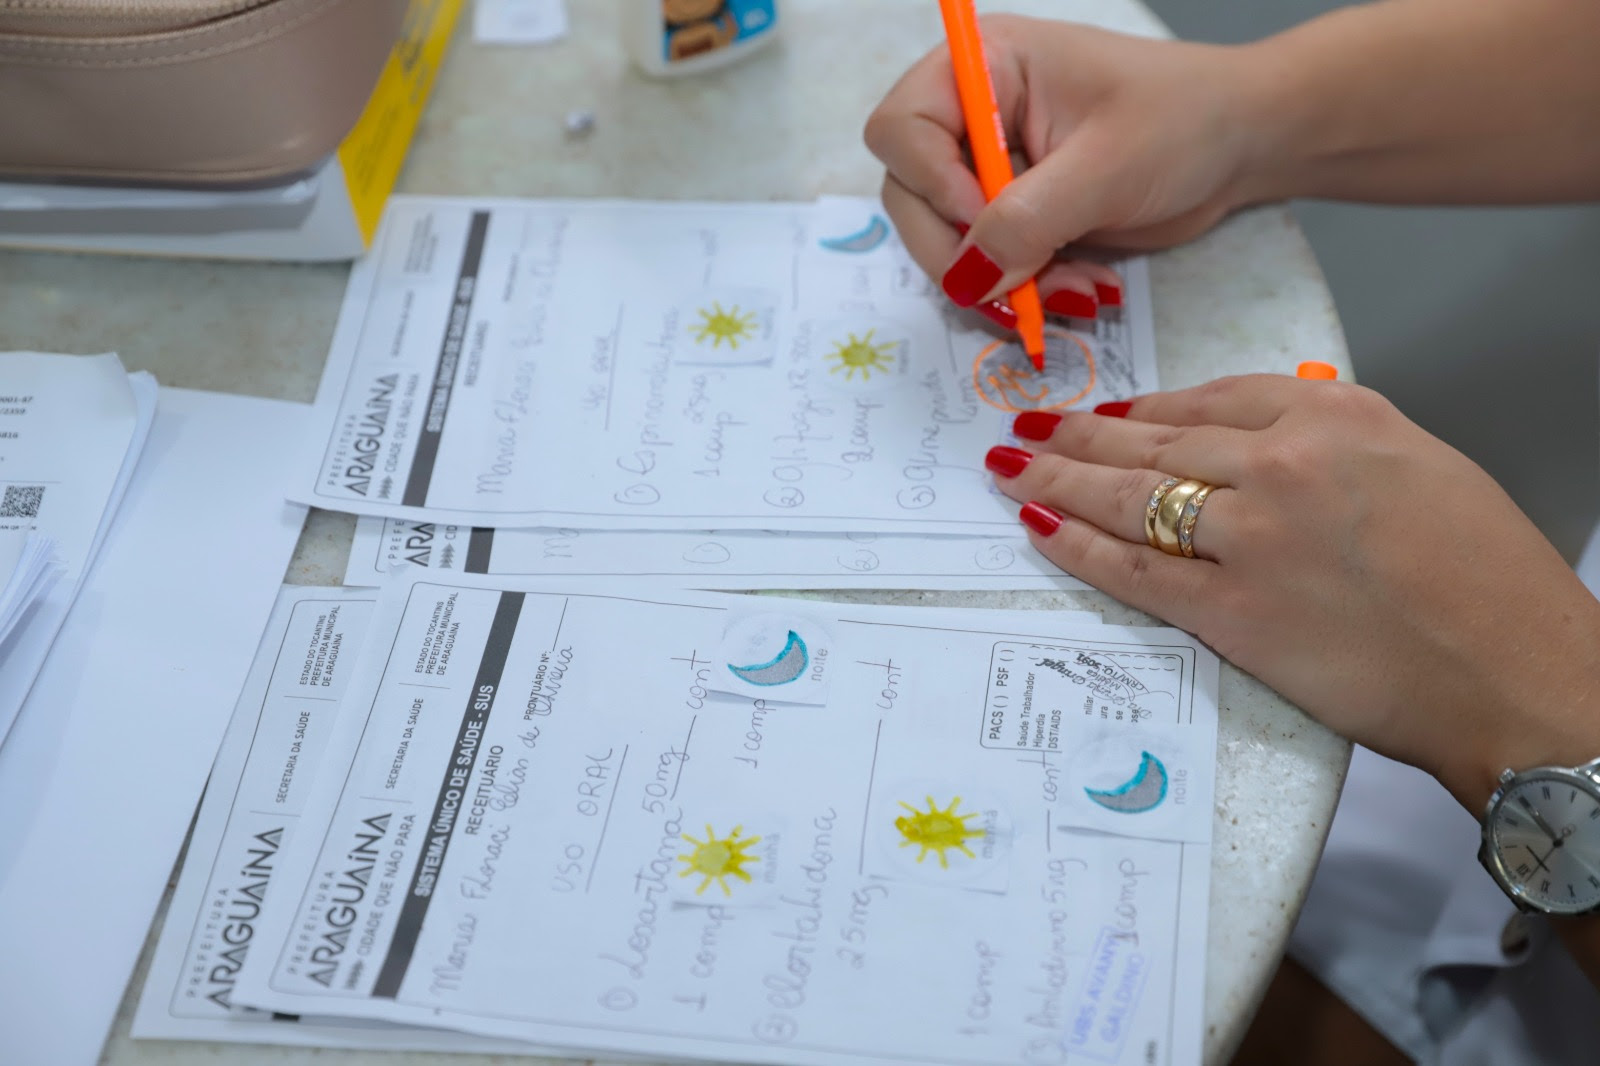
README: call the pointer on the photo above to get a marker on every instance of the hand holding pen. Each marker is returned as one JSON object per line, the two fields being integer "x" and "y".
{"x": 1126, "y": 147}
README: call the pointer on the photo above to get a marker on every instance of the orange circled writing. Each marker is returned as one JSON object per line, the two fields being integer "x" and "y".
{"x": 1016, "y": 386}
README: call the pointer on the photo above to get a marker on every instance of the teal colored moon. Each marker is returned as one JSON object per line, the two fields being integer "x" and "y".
{"x": 875, "y": 233}
{"x": 783, "y": 668}
{"x": 1142, "y": 792}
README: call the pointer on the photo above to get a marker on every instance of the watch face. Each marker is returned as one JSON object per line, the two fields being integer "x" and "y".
{"x": 1545, "y": 836}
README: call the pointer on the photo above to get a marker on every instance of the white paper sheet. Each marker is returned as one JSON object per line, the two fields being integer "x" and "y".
{"x": 626, "y": 365}
{"x": 71, "y": 429}
{"x": 726, "y": 559}
{"x": 542, "y": 822}
{"x": 519, "y": 21}
{"x": 101, "y": 772}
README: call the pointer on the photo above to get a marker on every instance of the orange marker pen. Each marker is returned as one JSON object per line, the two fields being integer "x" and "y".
{"x": 987, "y": 136}
{"x": 1311, "y": 370}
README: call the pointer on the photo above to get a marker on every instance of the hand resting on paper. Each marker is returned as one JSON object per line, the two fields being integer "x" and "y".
{"x": 1363, "y": 568}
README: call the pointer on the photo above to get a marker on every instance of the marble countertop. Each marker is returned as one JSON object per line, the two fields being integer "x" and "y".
{"x": 782, "y": 126}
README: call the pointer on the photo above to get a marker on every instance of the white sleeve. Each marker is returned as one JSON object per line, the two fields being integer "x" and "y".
{"x": 1589, "y": 563}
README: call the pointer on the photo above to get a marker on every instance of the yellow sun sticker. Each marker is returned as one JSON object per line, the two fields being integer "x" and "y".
{"x": 953, "y": 837}
{"x": 858, "y": 354}
{"x": 722, "y": 326}
{"x": 717, "y": 324}
{"x": 719, "y": 858}
{"x": 938, "y": 830}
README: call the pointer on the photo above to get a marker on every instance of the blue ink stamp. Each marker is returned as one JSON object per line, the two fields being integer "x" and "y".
{"x": 1112, "y": 988}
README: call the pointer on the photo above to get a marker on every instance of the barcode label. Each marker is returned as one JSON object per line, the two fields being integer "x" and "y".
{"x": 21, "y": 501}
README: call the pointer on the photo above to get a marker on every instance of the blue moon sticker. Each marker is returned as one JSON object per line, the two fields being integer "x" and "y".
{"x": 784, "y": 667}
{"x": 1143, "y": 791}
{"x": 868, "y": 238}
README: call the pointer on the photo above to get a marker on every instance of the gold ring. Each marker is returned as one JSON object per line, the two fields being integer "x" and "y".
{"x": 1173, "y": 501}
{"x": 1153, "y": 506}
{"x": 1191, "y": 515}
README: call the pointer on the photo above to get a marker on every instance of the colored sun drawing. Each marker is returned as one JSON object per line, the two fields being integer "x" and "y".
{"x": 717, "y": 860}
{"x": 942, "y": 831}
{"x": 717, "y": 325}
{"x": 859, "y": 353}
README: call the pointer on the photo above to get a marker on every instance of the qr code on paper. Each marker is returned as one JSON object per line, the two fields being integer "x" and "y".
{"x": 21, "y": 501}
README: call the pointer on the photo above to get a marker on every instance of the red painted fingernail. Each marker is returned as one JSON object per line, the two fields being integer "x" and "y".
{"x": 1007, "y": 461}
{"x": 1036, "y": 425}
{"x": 962, "y": 228}
{"x": 1108, "y": 295}
{"x": 1114, "y": 408}
{"x": 997, "y": 312}
{"x": 1041, "y": 519}
{"x": 970, "y": 277}
{"x": 1071, "y": 304}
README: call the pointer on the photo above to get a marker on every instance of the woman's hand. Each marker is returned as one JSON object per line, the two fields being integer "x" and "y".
{"x": 1363, "y": 568}
{"x": 1140, "y": 144}
{"x": 1133, "y": 144}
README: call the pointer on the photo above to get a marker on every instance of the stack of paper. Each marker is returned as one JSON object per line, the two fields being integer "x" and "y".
{"x": 531, "y": 794}
{"x": 30, "y": 560}
{"x": 101, "y": 771}
{"x": 71, "y": 432}
{"x": 775, "y": 387}
{"x": 600, "y": 822}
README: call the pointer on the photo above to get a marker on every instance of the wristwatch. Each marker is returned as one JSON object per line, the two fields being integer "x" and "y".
{"x": 1541, "y": 838}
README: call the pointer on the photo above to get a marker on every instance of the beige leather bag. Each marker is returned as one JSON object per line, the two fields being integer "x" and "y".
{"x": 184, "y": 92}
